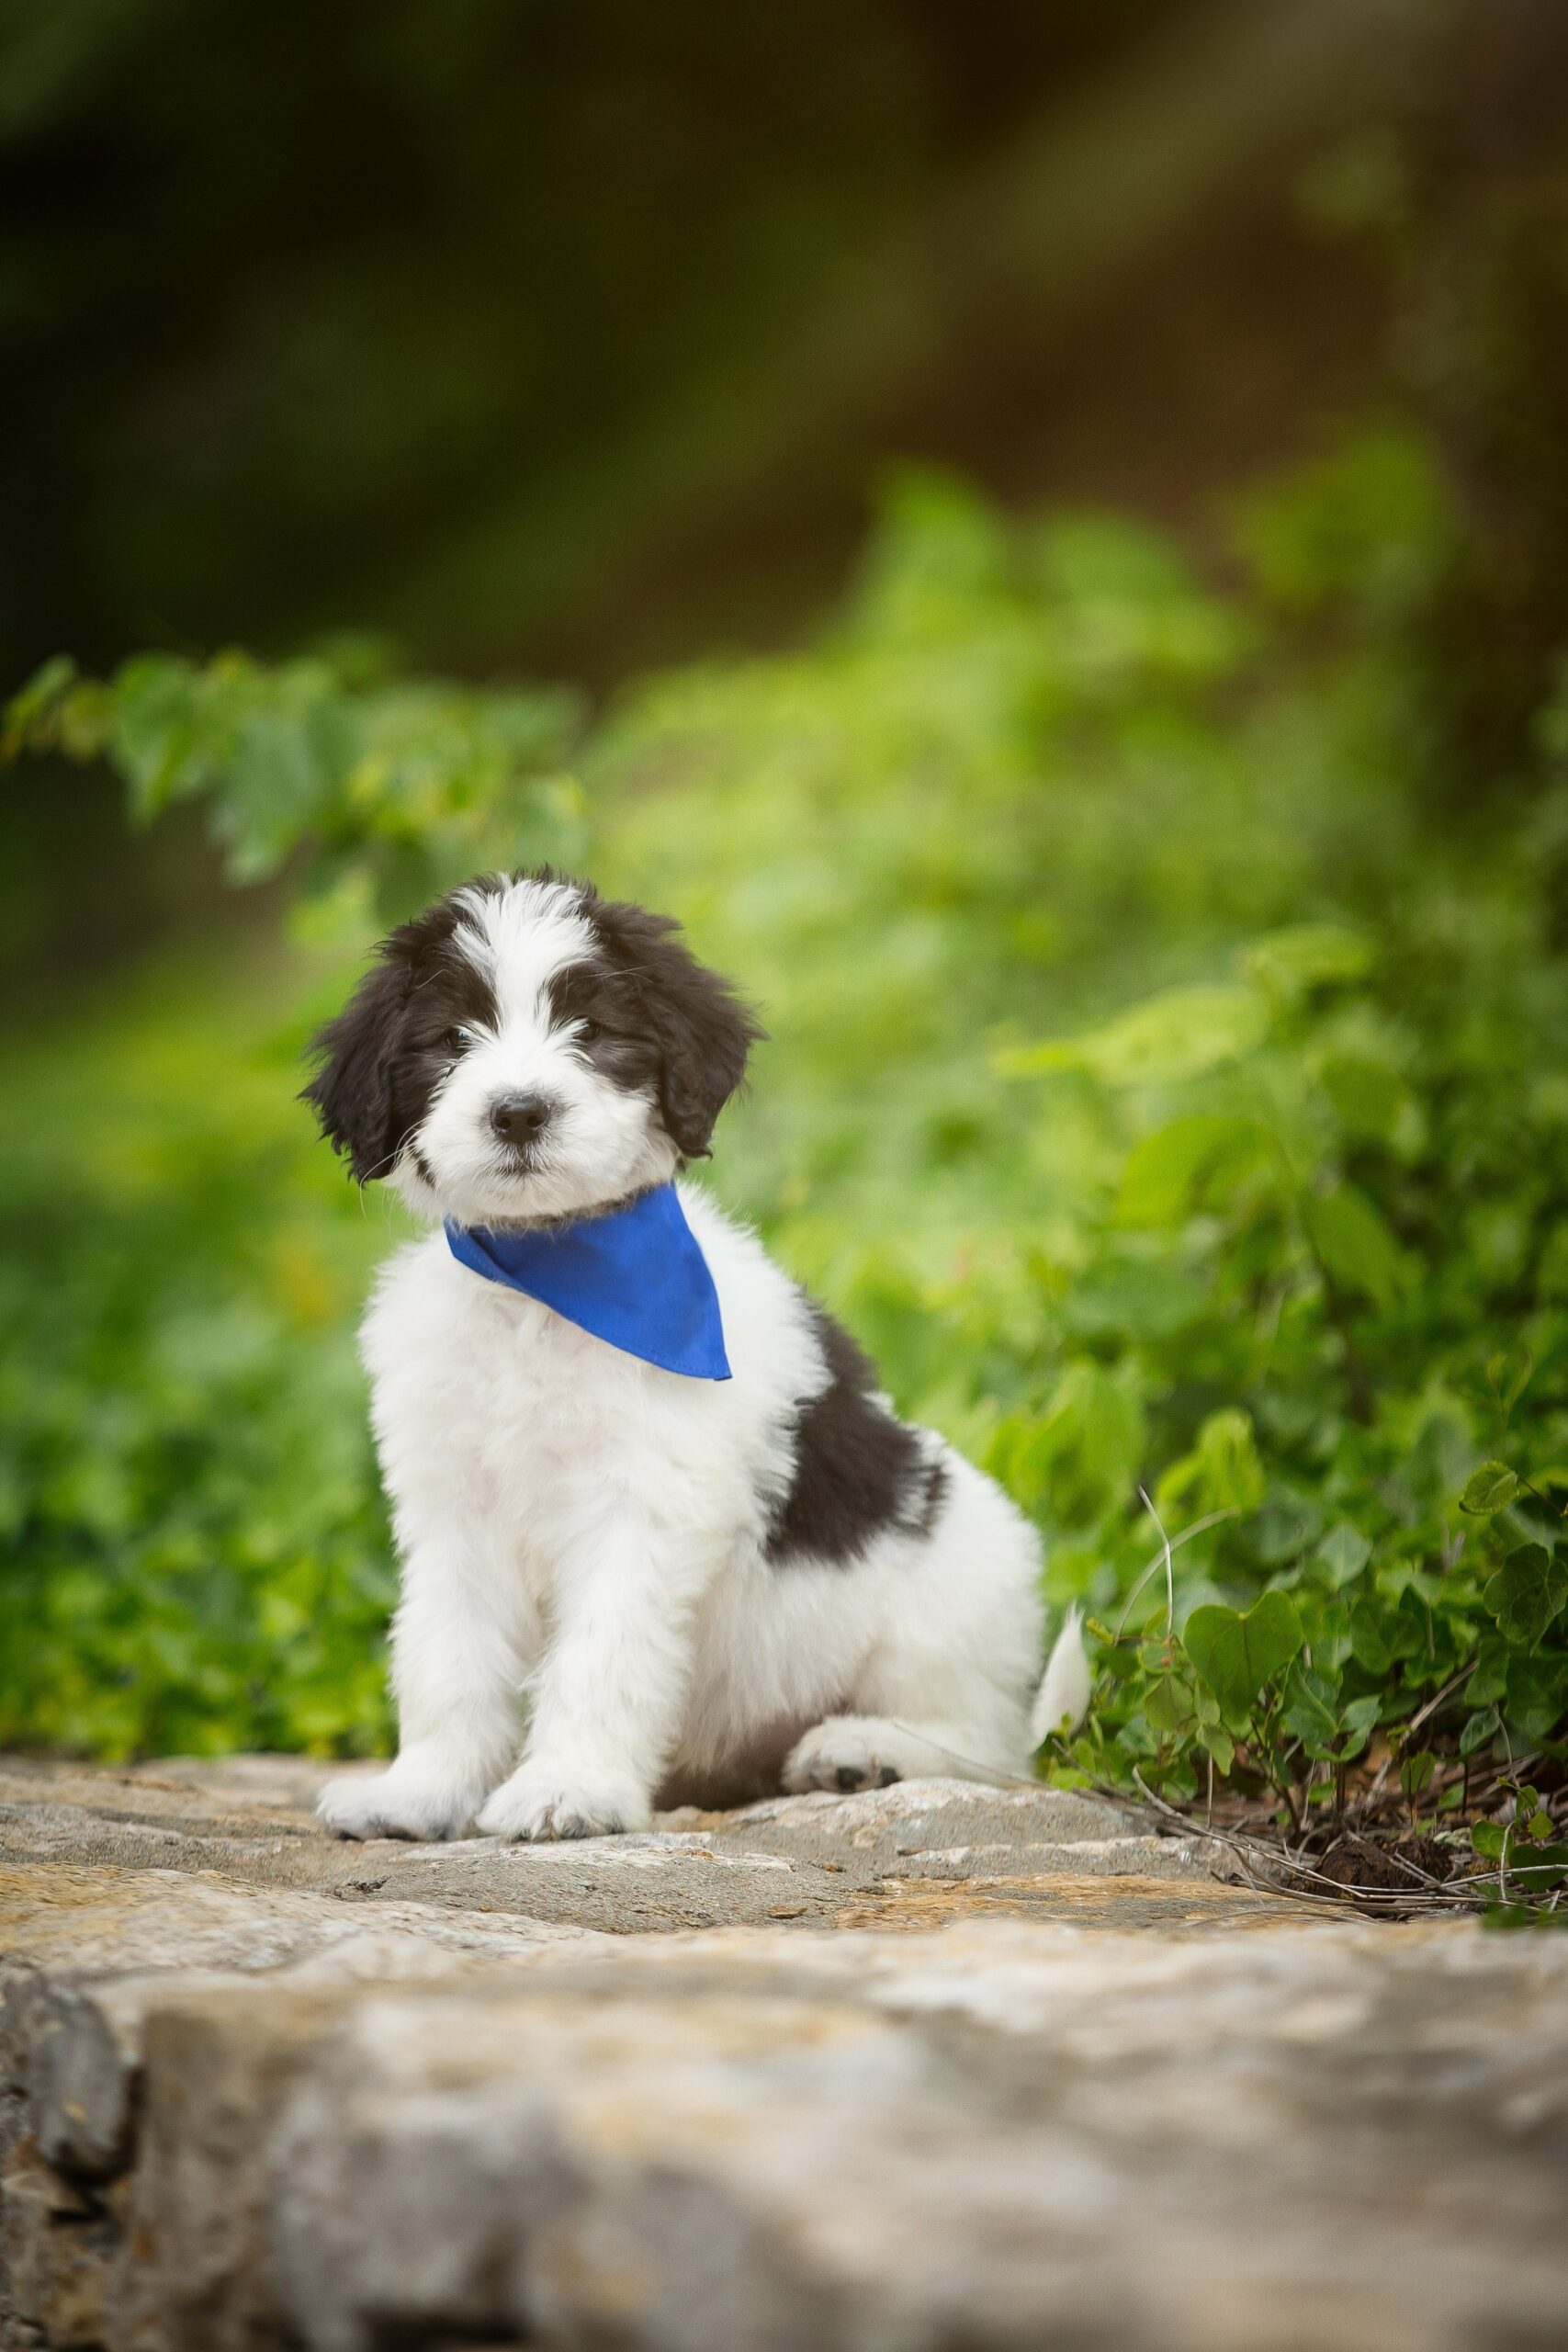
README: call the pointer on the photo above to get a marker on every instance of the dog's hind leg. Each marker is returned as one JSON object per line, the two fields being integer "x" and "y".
{"x": 872, "y": 1751}
{"x": 943, "y": 1690}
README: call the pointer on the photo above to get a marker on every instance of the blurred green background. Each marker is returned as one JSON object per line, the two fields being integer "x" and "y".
{"x": 1042, "y": 535}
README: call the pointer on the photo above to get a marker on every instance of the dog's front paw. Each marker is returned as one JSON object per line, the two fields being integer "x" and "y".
{"x": 543, "y": 1801}
{"x": 840, "y": 1754}
{"x": 394, "y": 1804}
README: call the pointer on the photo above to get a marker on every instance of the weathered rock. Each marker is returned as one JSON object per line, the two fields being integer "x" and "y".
{"x": 757, "y": 2138}
{"x": 58, "y": 2242}
{"x": 365, "y": 2097}
{"x": 88, "y": 1953}
{"x": 801, "y": 1857}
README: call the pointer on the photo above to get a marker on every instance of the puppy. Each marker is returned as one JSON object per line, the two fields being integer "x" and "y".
{"x": 661, "y": 1536}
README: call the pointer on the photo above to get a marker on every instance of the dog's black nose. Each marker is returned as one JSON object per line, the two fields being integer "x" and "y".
{"x": 519, "y": 1119}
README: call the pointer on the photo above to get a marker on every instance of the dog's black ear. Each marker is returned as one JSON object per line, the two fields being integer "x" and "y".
{"x": 701, "y": 1030}
{"x": 352, "y": 1092}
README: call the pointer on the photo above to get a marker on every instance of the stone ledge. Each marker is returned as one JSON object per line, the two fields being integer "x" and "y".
{"x": 272, "y": 2107}
{"x": 815, "y": 1857}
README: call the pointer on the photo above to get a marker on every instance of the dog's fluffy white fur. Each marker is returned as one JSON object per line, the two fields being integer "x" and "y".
{"x": 621, "y": 1586}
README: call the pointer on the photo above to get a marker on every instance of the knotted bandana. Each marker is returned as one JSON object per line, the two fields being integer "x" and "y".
{"x": 635, "y": 1279}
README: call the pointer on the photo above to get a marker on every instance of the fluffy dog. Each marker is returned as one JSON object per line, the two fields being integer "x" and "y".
{"x": 689, "y": 1585}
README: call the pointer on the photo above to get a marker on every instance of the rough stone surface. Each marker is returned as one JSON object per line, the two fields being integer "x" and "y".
{"x": 89, "y": 1954}
{"x": 711, "y": 2089}
{"x": 249, "y": 1818}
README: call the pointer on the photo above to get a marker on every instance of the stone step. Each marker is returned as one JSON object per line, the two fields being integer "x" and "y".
{"x": 821, "y": 1860}
{"x": 1104, "y": 2099}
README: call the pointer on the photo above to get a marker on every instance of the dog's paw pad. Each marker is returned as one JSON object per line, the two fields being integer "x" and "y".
{"x": 869, "y": 1775}
{"x": 838, "y": 1759}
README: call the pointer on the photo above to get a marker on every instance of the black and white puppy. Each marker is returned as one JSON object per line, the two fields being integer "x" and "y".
{"x": 621, "y": 1583}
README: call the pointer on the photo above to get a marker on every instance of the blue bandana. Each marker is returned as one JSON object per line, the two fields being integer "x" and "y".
{"x": 636, "y": 1278}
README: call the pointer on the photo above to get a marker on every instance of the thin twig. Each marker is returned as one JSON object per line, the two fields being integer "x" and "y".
{"x": 1245, "y": 1848}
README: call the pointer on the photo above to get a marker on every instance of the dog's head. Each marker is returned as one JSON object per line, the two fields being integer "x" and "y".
{"x": 526, "y": 1050}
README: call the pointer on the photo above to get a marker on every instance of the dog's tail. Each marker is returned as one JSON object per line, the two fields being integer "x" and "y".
{"x": 1063, "y": 1696}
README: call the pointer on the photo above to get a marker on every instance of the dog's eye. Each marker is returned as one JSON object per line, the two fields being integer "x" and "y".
{"x": 452, "y": 1042}
{"x": 587, "y": 1031}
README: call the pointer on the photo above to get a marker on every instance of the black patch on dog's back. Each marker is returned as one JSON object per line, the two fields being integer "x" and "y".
{"x": 858, "y": 1472}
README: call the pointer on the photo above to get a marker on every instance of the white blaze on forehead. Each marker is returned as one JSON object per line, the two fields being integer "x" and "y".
{"x": 519, "y": 938}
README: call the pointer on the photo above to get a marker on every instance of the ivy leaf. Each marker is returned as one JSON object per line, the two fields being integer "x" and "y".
{"x": 1489, "y": 1838}
{"x": 1238, "y": 1654}
{"x": 1478, "y": 1730}
{"x": 1527, "y": 1593}
{"x": 1344, "y": 1552}
{"x": 1489, "y": 1679}
{"x": 1165, "y": 1706}
{"x": 1356, "y": 1723}
{"x": 1220, "y": 1744}
{"x": 1492, "y": 1487}
{"x": 1539, "y": 1867}
{"x": 1370, "y": 1644}
{"x": 1310, "y": 1710}
{"x": 1538, "y": 1689}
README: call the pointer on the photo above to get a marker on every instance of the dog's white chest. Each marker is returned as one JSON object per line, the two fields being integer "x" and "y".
{"x": 538, "y": 1429}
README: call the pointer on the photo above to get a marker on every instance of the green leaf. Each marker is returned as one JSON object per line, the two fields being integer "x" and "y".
{"x": 1344, "y": 1552}
{"x": 1222, "y": 1473}
{"x": 1220, "y": 1744}
{"x": 1538, "y": 1868}
{"x": 1307, "y": 956}
{"x": 1166, "y": 1705}
{"x": 1355, "y": 1245}
{"x": 160, "y": 736}
{"x": 1177, "y": 1035}
{"x": 1489, "y": 1679}
{"x": 1492, "y": 1487}
{"x": 1134, "y": 1301}
{"x": 1368, "y": 1097}
{"x": 1238, "y": 1654}
{"x": 1356, "y": 1723}
{"x": 1171, "y": 1171}
{"x": 1527, "y": 1593}
{"x": 1537, "y": 1695}
{"x": 1478, "y": 1730}
{"x": 1310, "y": 1709}
{"x": 1489, "y": 1839}
{"x": 1370, "y": 1644}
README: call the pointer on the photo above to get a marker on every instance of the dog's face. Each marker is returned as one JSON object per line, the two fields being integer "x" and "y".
{"x": 527, "y": 1050}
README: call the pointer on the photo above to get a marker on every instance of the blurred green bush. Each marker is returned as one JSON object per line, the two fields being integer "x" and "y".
{"x": 1172, "y": 1103}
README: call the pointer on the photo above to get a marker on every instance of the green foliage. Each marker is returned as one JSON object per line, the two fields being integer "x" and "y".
{"x": 1239, "y": 1653}
{"x": 1168, "y": 1103}
{"x": 1358, "y": 1188}
{"x": 392, "y": 790}
{"x": 1529, "y": 1858}
{"x": 197, "y": 1554}
{"x": 1492, "y": 1487}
